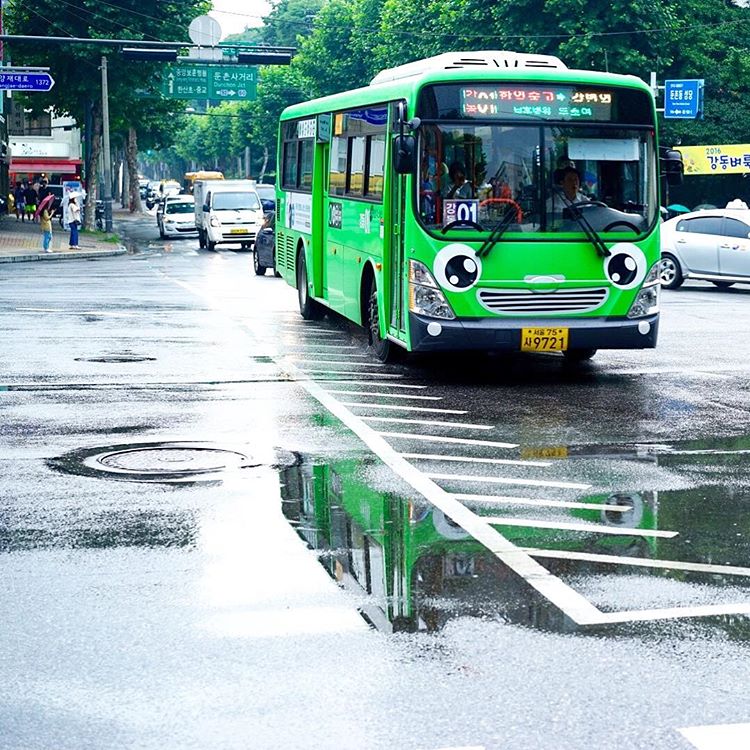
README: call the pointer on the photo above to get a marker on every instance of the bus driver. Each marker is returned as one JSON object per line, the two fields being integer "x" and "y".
{"x": 567, "y": 186}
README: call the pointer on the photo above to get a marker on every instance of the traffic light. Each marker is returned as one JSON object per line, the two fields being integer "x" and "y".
{"x": 264, "y": 58}
{"x": 151, "y": 54}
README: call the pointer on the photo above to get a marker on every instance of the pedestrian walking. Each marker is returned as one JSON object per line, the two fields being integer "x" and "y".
{"x": 45, "y": 224}
{"x": 30, "y": 198}
{"x": 18, "y": 194}
{"x": 74, "y": 219}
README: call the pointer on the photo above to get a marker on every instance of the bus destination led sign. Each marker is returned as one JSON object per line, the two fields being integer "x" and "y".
{"x": 539, "y": 102}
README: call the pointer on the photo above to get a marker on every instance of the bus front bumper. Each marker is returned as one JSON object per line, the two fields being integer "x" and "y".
{"x": 494, "y": 334}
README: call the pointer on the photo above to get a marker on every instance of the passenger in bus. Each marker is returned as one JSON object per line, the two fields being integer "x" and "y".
{"x": 459, "y": 186}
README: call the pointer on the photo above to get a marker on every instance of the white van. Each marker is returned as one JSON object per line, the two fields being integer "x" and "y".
{"x": 227, "y": 211}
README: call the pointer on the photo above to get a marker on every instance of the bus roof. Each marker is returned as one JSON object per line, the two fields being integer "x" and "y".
{"x": 404, "y": 81}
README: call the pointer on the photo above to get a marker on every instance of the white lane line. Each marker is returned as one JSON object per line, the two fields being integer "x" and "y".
{"x": 596, "y": 528}
{"x": 640, "y": 562}
{"x": 474, "y": 459}
{"x": 508, "y": 480}
{"x": 345, "y": 362}
{"x": 351, "y": 381}
{"x": 402, "y": 420}
{"x": 310, "y": 350}
{"x": 675, "y": 613}
{"x": 340, "y": 372}
{"x": 384, "y": 395}
{"x": 443, "y": 439}
{"x": 539, "y": 502}
{"x": 308, "y": 353}
{"x": 403, "y": 407}
{"x": 718, "y": 736}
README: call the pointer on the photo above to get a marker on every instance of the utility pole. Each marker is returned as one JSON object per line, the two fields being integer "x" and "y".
{"x": 107, "y": 197}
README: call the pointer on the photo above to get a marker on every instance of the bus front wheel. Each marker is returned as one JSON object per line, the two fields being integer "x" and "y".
{"x": 309, "y": 309}
{"x": 383, "y": 349}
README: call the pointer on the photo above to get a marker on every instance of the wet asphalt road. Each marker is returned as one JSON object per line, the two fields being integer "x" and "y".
{"x": 205, "y": 502}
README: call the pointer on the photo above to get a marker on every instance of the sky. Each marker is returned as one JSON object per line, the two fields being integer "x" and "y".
{"x": 235, "y": 15}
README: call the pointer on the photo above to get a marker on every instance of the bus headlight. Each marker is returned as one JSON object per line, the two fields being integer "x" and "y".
{"x": 425, "y": 297}
{"x": 647, "y": 300}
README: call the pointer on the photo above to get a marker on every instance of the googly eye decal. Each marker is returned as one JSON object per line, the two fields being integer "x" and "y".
{"x": 457, "y": 267}
{"x": 625, "y": 267}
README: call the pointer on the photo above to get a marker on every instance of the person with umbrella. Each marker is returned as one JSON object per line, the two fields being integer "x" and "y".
{"x": 44, "y": 213}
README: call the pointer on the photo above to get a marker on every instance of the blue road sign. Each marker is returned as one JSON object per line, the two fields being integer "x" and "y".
{"x": 683, "y": 99}
{"x": 26, "y": 81}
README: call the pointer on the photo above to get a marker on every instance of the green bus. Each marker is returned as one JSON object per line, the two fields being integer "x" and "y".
{"x": 477, "y": 201}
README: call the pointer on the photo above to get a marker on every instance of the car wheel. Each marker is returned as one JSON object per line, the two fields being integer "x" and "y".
{"x": 309, "y": 309}
{"x": 723, "y": 284}
{"x": 259, "y": 270}
{"x": 579, "y": 355}
{"x": 385, "y": 350}
{"x": 669, "y": 272}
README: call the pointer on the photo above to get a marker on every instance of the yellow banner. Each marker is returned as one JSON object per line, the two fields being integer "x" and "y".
{"x": 733, "y": 159}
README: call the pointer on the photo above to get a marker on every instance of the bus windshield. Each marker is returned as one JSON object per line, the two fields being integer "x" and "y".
{"x": 477, "y": 169}
{"x": 240, "y": 201}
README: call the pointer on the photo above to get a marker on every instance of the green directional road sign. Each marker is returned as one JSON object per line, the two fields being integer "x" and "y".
{"x": 214, "y": 82}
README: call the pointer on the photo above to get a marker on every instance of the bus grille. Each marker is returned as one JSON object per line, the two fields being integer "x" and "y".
{"x": 284, "y": 251}
{"x": 529, "y": 302}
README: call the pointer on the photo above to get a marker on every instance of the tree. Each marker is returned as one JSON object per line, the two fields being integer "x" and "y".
{"x": 76, "y": 68}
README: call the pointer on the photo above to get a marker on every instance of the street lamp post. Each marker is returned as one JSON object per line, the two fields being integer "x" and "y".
{"x": 107, "y": 197}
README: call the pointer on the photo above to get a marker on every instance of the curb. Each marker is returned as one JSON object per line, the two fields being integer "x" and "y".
{"x": 62, "y": 255}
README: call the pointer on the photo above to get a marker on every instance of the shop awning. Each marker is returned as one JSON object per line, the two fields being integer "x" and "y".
{"x": 48, "y": 166}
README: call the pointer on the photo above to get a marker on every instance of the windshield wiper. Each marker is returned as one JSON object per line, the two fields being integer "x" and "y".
{"x": 588, "y": 230}
{"x": 497, "y": 233}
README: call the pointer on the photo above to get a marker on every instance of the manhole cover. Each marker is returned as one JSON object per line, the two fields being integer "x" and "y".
{"x": 117, "y": 358}
{"x": 155, "y": 462}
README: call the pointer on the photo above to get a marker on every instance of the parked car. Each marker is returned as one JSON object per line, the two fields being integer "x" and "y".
{"x": 264, "y": 256}
{"x": 177, "y": 218}
{"x": 713, "y": 245}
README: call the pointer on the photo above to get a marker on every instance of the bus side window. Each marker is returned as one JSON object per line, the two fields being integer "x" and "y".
{"x": 375, "y": 166}
{"x": 337, "y": 178}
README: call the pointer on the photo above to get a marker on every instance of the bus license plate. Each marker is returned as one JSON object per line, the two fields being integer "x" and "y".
{"x": 544, "y": 339}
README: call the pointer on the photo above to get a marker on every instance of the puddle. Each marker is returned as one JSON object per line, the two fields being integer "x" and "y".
{"x": 413, "y": 569}
{"x": 117, "y": 358}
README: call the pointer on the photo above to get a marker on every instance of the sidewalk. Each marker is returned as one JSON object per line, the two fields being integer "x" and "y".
{"x": 22, "y": 241}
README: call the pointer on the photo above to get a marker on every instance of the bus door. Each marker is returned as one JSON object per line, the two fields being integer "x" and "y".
{"x": 394, "y": 242}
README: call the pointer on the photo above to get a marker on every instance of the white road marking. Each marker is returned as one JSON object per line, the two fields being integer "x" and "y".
{"x": 426, "y": 421}
{"x": 508, "y": 480}
{"x": 402, "y": 407}
{"x": 384, "y": 395}
{"x": 443, "y": 439}
{"x": 540, "y": 503}
{"x": 341, "y": 372}
{"x": 642, "y": 562}
{"x": 674, "y": 613}
{"x": 346, "y": 362}
{"x": 349, "y": 381}
{"x": 597, "y": 528}
{"x": 474, "y": 459}
{"x": 308, "y": 353}
{"x": 718, "y": 737}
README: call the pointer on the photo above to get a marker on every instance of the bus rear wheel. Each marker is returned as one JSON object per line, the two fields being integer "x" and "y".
{"x": 385, "y": 350}
{"x": 309, "y": 309}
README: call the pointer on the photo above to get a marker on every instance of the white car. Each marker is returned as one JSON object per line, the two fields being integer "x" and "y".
{"x": 178, "y": 217}
{"x": 713, "y": 245}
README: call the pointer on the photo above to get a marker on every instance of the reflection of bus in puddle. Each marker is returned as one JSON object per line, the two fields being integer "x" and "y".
{"x": 416, "y": 569}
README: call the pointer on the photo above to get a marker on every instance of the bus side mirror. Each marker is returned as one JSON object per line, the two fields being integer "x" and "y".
{"x": 672, "y": 166}
{"x": 404, "y": 147}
